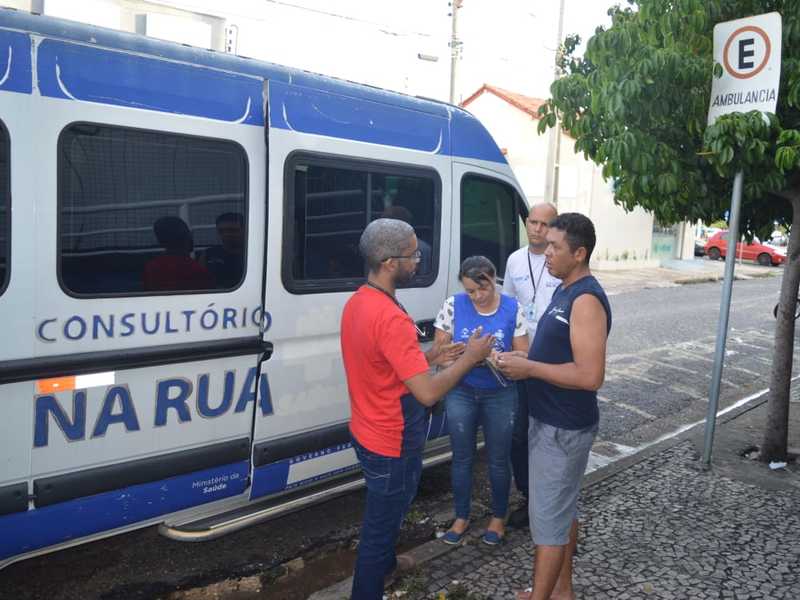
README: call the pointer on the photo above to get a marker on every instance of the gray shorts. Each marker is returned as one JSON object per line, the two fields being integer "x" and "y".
{"x": 557, "y": 460}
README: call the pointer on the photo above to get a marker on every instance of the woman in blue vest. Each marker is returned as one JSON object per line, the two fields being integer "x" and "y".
{"x": 483, "y": 398}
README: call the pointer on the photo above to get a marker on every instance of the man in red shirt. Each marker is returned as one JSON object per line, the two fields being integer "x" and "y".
{"x": 390, "y": 389}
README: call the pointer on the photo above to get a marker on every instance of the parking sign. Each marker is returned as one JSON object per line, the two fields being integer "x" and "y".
{"x": 749, "y": 53}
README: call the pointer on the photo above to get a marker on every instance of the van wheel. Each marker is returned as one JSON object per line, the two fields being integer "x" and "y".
{"x": 714, "y": 253}
{"x": 764, "y": 259}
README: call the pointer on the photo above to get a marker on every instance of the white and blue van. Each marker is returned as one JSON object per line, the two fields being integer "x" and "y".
{"x": 178, "y": 233}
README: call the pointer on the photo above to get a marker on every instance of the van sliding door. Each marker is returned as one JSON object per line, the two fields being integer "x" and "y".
{"x": 323, "y": 191}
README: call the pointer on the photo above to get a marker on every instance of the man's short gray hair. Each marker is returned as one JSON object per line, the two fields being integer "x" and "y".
{"x": 384, "y": 238}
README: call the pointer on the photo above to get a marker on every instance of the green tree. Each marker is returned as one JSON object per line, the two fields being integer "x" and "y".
{"x": 637, "y": 103}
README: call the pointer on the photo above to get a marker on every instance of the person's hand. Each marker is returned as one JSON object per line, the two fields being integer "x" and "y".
{"x": 514, "y": 365}
{"x": 478, "y": 348}
{"x": 444, "y": 355}
{"x": 448, "y": 353}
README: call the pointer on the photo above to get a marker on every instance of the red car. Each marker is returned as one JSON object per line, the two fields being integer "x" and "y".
{"x": 717, "y": 245}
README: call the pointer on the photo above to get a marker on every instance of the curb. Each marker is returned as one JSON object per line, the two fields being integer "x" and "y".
{"x": 702, "y": 279}
{"x": 719, "y": 277}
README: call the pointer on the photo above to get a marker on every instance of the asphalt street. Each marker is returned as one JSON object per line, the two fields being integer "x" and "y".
{"x": 660, "y": 356}
{"x": 661, "y": 352}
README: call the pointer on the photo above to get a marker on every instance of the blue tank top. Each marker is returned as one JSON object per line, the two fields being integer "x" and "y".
{"x": 556, "y": 406}
{"x": 501, "y": 324}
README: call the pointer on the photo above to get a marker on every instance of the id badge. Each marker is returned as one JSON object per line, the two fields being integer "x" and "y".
{"x": 530, "y": 312}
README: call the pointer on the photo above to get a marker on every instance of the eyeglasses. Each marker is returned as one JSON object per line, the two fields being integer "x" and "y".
{"x": 416, "y": 255}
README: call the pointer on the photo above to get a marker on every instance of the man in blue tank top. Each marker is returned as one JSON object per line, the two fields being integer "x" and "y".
{"x": 563, "y": 371}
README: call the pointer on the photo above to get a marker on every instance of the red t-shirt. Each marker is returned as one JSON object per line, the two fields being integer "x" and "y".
{"x": 171, "y": 272}
{"x": 380, "y": 351}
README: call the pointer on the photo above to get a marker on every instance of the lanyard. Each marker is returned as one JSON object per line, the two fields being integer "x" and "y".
{"x": 534, "y": 283}
{"x": 397, "y": 303}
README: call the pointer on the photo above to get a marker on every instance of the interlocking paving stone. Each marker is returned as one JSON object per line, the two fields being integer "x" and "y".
{"x": 663, "y": 528}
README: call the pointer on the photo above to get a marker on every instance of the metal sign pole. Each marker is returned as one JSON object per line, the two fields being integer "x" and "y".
{"x": 724, "y": 314}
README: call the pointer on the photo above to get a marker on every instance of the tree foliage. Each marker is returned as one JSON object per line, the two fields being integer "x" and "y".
{"x": 637, "y": 104}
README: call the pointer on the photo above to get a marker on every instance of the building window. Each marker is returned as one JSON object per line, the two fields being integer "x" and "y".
{"x": 149, "y": 212}
{"x": 330, "y": 202}
{"x": 5, "y": 207}
{"x": 490, "y": 218}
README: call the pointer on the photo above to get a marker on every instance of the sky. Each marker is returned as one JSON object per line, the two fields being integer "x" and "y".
{"x": 508, "y": 43}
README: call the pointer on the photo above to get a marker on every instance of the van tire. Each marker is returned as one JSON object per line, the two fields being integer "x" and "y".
{"x": 714, "y": 253}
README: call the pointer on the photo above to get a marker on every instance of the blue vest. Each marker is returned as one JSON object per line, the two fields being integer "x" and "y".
{"x": 556, "y": 406}
{"x": 501, "y": 324}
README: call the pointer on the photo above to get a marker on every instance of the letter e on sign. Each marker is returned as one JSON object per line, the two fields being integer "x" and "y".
{"x": 749, "y": 51}
{"x": 741, "y": 50}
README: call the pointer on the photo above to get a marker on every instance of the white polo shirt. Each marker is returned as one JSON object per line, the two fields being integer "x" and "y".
{"x": 533, "y": 296}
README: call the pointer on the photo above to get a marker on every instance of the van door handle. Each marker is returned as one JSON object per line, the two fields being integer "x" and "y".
{"x": 425, "y": 330}
{"x": 266, "y": 350}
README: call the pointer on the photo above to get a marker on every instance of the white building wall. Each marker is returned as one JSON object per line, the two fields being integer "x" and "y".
{"x": 623, "y": 239}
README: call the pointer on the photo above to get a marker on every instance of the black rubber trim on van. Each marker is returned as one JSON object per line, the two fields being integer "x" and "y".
{"x": 111, "y": 360}
{"x": 13, "y": 498}
{"x": 60, "y": 488}
{"x": 302, "y": 443}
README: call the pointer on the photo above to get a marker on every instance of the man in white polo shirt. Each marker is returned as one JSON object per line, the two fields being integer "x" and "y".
{"x": 527, "y": 279}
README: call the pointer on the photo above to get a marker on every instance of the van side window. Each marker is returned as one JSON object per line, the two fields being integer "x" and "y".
{"x": 149, "y": 212}
{"x": 330, "y": 202}
{"x": 5, "y": 207}
{"x": 489, "y": 219}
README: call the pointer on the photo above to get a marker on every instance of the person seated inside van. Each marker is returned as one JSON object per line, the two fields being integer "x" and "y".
{"x": 175, "y": 269}
{"x": 226, "y": 261}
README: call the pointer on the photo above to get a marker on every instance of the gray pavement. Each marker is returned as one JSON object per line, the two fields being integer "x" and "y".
{"x": 655, "y": 525}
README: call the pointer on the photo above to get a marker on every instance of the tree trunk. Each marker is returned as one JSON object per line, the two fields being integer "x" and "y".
{"x": 776, "y": 429}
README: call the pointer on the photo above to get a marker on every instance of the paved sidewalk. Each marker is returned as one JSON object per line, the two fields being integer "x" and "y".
{"x": 677, "y": 272}
{"x": 661, "y": 529}
{"x": 657, "y": 525}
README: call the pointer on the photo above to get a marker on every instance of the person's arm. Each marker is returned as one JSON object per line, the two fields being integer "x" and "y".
{"x": 509, "y": 289}
{"x": 520, "y": 344}
{"x": 428, "y": 389}
{"x": 588, "y": 337}
{"x": 442, "y": 352}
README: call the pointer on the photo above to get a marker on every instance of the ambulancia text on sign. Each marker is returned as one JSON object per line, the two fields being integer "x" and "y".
{"x": 749, "y": 52}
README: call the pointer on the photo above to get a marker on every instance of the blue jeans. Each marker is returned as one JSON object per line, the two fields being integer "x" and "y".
{"x": 519, "y": 441}
{"x": 494, "y": 411}
{"x": 391, "y": 487}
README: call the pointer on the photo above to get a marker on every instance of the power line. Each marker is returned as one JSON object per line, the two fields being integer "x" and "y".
{"x": 380, "y": 26}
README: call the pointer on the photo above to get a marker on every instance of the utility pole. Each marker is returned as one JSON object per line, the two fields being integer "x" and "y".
{"x": 554, "y": 143}
{"x": 455, "y": 48}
